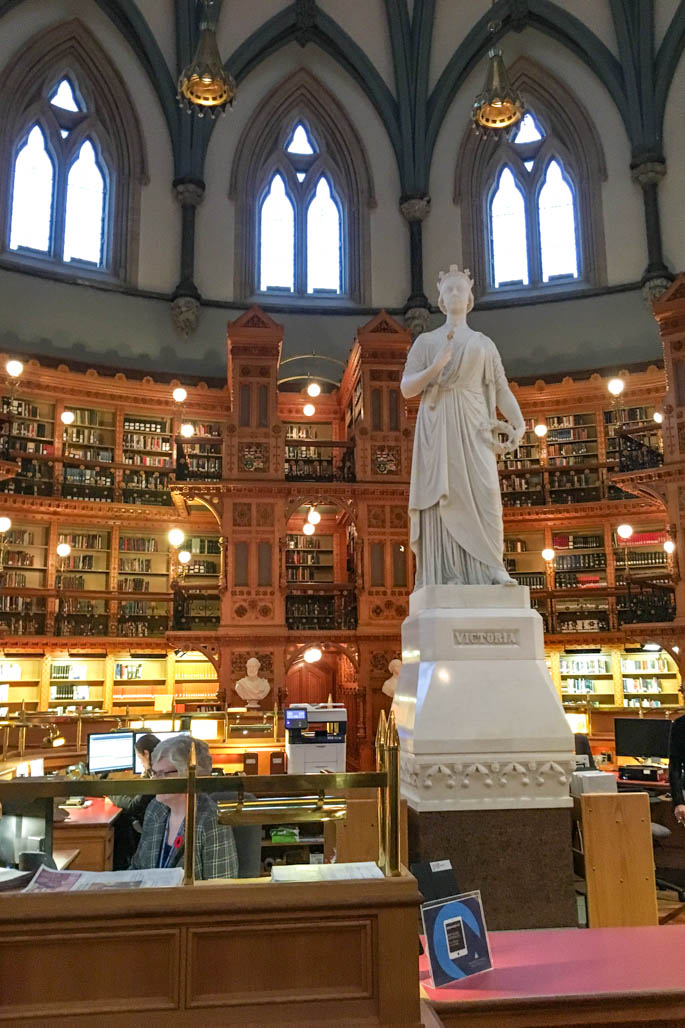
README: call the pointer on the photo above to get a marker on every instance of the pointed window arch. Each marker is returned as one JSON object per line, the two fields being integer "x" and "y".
{"x": 70, "y": 186}
{"x": 531, "y": 205}
{"x": 302, "y": 144}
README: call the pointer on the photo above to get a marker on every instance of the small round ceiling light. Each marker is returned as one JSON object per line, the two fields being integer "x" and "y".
{"x": 658, "y": 417}
{"x": 308, "y": 528}
{"x": 14, "y": 368}
{"x": 184, "y": 557}
{"x": 175, "y": 536}
{"x": 312, "y": 654}
{"x": 179, "y": 394}
{"x": 624, "y": 532}
{"x": 540, "y": 430}
{"x": 309, "y": 409}
{"x": 313, "y": 389}
{"x": 669, "y": 546}
{"x": 616, "y": 386}
{"x": 313, "y": 517}
{"x": 63, "y": 549}
{"x": 5, "y": 524}
{"x": 548, "y": 553}
{"x": 187, "y": 430}
{"x": 67, "y": 417}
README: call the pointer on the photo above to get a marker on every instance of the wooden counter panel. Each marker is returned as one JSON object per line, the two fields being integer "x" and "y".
{"x": 219, "y": 953}
{"x": 243, "y": 963}
{"x": 78, "y": 972}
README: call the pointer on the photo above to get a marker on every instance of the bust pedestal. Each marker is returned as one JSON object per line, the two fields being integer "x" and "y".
{"x": 486, "y": 752}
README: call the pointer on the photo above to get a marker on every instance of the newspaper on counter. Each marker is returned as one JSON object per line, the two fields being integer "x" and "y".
{"x": 47, "y": 880}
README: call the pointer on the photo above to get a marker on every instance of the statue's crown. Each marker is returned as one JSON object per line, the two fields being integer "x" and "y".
{"x": 454, "y": 272}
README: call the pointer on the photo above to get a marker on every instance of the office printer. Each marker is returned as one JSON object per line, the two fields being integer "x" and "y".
{"x": 315, "y": 737}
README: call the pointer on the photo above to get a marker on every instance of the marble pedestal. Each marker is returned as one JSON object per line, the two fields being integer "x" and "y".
{"x": 479, "y": 720}
{"x": 486, "y": 752}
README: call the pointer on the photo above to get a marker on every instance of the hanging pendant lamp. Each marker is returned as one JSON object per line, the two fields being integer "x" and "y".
{"x": 499, "y": 107}
{"x": 204, "y": 85}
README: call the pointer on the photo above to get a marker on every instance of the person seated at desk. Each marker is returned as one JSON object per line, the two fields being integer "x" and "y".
{"x": 676, "y": 765}
{"x": 128, "y": 825}
{"x": 162, "y": 843}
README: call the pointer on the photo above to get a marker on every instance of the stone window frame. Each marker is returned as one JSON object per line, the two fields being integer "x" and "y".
{"x": 342, "y": 159}
{"x": 571, "y": 138}
{"x": 70, "y": 51}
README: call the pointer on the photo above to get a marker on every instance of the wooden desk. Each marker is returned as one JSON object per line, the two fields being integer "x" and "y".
{"x": 64, "y": 858}
{"x": 568, "y": 976}
{"x": 217, "y": 953}
{"x": 91, "y": 830}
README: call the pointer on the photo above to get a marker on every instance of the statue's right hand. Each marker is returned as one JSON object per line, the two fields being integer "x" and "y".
{"x": 442, "y": 359}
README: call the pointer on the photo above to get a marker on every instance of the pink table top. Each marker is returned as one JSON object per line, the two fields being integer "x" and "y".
{"x": 568, "y": 962}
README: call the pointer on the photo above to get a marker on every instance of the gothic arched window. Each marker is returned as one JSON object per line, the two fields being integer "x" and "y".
{"x": 532, "y": 214}
{"x": 531, "y": 205}
{"x": 300, "y": 221}
{"x": 72, "y": 159}
{"x": 302, "y": 188}
{"x": 60, "y": 199}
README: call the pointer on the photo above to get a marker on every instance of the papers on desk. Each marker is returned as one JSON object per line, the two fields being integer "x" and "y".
{"x": 12, "y": 881}
{"x": 47, "y": 880}
{"x": 324, "y": 872}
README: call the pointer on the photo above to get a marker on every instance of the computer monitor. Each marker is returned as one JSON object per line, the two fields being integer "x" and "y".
{"x": 159, "y": 735}
{"x": 25, "y": 826}
{"x": 110, "y": 751}
{"x": 642, "y": 737}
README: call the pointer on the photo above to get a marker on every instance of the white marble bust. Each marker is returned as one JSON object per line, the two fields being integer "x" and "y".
{"x": 252, "y": 688}
{"x": 390, "y": 684}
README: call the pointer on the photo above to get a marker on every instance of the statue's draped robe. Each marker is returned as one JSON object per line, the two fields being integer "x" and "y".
{"x": 455, "y": 506}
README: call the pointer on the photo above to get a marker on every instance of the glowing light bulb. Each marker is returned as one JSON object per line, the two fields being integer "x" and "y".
{"x": 540, "y": 430}
{"x": 14, "y": 368}
{"x": 63, "y": 549}
{"x": 658, "y": 416}
{"x": 309, "y": 409}
{"x": 669, "y": 546}
{"x": 624, "y": 532}
{"x": 312, "y": 655}
{"x": 616, "y": 386}
{"x": 313, "y": 517}
{"x": 5, "y": 524}
{"x": 175, "y": 536}
{"x": 187, "y": 430}
{"x": 313, "y": 389}
{"x": 184, "y": 557}
{"x": 548, "y": 553}
{"x": 67, "y": 417}
{"x": 308, "y": 528}
{"x": 179, "y": 394}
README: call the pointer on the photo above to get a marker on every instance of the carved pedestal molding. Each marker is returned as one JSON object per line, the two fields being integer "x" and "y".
{"x": 654, "y": 288}
{"x": 480, "y": 723}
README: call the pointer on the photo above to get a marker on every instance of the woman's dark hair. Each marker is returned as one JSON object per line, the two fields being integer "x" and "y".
{"x": 146, "y": 743}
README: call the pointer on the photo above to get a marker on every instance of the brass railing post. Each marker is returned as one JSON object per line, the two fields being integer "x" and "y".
{"x": 392, "y": 793}
{"x": 191, "y": 810}
{"x": 381, "y": 736}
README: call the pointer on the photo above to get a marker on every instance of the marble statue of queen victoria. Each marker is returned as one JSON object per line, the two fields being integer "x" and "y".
{"x": 455, "y": 505}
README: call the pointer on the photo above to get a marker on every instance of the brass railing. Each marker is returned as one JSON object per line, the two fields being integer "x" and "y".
{"x": 278, "y": 801}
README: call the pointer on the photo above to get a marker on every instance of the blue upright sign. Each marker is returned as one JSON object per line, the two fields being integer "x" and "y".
{"x": 456, "y": 938}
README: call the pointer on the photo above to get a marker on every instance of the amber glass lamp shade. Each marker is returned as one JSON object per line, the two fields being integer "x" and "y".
{"x": 499, "y": 106}
{"x": 204, "y": 84}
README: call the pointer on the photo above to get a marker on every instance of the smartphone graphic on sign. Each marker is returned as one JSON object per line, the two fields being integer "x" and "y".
{"x": 455, "y": 937}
